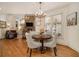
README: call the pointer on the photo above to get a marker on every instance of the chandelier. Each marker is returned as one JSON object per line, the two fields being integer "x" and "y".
{"x": 40, "y": 13}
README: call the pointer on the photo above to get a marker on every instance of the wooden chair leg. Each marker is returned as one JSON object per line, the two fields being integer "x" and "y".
{"x": 30, "y": 52}
{"x": 27, "y": 50}
{"x": 55, "y": 51}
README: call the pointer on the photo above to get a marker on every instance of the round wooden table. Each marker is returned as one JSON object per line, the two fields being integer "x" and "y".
{"x": 41, "y": 38}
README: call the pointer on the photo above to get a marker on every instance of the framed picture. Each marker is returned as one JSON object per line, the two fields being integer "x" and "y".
{"x": 2, "y": 24}
{"x": 72, "y": 19}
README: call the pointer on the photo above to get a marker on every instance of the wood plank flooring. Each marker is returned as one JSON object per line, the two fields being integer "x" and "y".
{"x": 18, "y": 48}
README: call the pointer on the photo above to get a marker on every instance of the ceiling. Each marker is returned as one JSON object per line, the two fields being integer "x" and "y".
{"x": 28, "y": 7}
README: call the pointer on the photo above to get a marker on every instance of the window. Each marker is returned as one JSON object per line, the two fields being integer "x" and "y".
{"x": 48, "y": 24}
{"x": 57, "y": 20}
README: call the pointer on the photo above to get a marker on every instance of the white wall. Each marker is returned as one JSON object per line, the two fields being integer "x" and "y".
{"x": 70, "y": 34}
{"x": 11, "y": 19}
{"x": 2, "y": 30}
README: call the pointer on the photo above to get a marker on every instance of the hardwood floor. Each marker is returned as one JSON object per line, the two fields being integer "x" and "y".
{"x": 18, "y": 48}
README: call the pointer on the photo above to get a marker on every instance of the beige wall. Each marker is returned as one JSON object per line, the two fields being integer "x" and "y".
{"x": 70, "y": 34}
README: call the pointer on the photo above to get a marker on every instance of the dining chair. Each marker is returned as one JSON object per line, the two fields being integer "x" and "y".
{"x": 48, "y": 32}
{"x": 31, "y": 43}
{"x": 51, "y": 44}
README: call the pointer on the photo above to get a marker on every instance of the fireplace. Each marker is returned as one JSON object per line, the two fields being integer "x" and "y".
{"x": 29, "y": 24}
